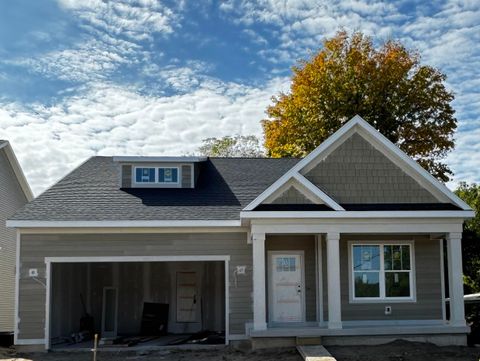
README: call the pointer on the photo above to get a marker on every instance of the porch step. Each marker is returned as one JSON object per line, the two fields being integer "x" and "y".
{"x": 308, "y": 340}
{"x": 315, "y": 353}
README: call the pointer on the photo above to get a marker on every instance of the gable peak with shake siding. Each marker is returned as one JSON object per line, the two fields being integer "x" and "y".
{"x": 357, "y": 168}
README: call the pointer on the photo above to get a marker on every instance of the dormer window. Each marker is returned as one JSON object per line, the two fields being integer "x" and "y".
{"x": 145, "y": 175}
{"x": 168, "y": 175}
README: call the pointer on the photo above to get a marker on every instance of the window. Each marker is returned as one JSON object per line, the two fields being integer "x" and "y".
{"x": 286, "y": 264}
{"x": 382, "y": 271}
{"x": 145, "y": 175}
{"x": 167, "y": 175}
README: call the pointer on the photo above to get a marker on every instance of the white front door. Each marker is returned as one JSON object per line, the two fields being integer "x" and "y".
{"x": 287, "y": 289}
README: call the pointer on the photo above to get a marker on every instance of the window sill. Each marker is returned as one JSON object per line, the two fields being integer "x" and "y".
{"x": 383, "y": 300}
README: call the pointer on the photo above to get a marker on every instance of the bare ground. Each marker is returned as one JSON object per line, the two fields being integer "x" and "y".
{"x": 395, "y": 351}
{"x": 405, "y": 351}
{"x": 175, "y": 355}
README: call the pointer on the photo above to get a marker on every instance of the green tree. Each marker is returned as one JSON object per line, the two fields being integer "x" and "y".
{"x": 236, "y": 146}
{"x": 387, "y": 86}
{"x": 470, "y": 193}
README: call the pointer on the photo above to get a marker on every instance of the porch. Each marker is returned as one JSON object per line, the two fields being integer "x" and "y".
{"x": 331, "y": 302}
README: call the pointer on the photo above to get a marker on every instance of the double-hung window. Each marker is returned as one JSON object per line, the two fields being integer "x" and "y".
{"x": 382, "y": 271}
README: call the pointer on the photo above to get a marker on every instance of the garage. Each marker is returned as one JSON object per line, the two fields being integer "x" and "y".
{"x": 130, "y": 302}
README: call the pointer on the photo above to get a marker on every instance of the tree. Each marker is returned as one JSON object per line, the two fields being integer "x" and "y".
{"x": 236, "y": 146}
{"x": 387, "y": 86}
{"x": 470, "y": 193}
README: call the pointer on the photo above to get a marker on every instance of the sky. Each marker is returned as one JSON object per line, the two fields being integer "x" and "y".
{"x": 147, "y": 77}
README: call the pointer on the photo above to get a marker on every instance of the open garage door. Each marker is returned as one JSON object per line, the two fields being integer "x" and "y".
{"x": 155, "y": 303}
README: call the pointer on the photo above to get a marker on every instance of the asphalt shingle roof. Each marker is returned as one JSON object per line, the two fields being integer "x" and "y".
{"x": 91, "y": 193}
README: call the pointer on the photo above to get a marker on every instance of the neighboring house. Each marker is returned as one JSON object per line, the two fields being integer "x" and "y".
{"x": 14, "y": 194}
{"x": 345, "y": 243}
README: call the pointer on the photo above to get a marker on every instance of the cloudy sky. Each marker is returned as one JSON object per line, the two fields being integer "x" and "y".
{"x": 147, "y": 77}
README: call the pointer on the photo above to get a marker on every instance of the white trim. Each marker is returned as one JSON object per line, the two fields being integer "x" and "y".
{"x": 259, "y": 273}
{"x": 166, "y": 159}
{"x": 191, "y": 258}
{"x": 304, "y": 186}
{"x": 317, "y": 191}
{"x": 17, "y": 288}
{"x": 17, "y": 170}
{"x": 334, "y": 294}
{"x": 30, "y": 341}
{"x": 357, "y": 323}
{"x": 382, "y": 297}
{"x": 319, "y": 279}
{"x": 407, "y": 164}
{"x": 48, "y": 304}
{"x": 442, "y": 280}
{"x": 226, "y": 265}
{"x": 123, "y": 224}
{"x": 358, "y": 214}
{"x": 94, "y": 259}
{"x": 270, "y": 255}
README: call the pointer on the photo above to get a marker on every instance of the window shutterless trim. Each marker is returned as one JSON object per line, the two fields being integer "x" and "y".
{"x": 382, "y": 298}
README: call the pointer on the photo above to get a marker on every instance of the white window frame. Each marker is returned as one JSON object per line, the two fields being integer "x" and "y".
{"x": 382, "y": 298}
{"x": 156, "y": 178}
{"x": 165, "y": 167}
{"x": 143, "y": 167}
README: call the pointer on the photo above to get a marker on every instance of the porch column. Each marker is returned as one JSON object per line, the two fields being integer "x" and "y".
{"x": 455, "y": 279}
{"x": 259, "y": 301}
{"x": 333, "y": 279}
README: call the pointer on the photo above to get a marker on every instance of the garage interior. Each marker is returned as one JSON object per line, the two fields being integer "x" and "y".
{"x": 131, "y": 304}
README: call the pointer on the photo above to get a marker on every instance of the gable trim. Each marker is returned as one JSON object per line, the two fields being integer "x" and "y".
{"x": 407, "y": 164}
{"x": 17, "y": 170}
{"x": 306, "y": 188}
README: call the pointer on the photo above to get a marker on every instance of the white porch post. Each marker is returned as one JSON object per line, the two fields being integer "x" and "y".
{"x": 333, "y": 279}
{"x": 455, "y": 279}
{"x": 259, "y": 295}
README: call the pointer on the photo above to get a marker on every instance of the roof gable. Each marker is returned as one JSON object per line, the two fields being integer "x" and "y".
{"x": 412, "y": 173}
{"x": 17, "y": 170}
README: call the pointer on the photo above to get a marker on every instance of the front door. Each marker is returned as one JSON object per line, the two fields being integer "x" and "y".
{"x": 287, "y": 289}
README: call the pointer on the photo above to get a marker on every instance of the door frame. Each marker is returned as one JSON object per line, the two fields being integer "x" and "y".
{"x": 270, "y": 254}
{"x": 104, "y": 306}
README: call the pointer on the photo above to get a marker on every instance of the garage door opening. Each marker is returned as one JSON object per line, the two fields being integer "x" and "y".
{"x": 129, "y": 304}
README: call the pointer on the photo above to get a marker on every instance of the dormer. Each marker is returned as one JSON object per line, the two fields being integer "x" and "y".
{"x": 158, "y": 172}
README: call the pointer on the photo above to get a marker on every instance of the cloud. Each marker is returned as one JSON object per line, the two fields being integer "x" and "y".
{"x": 105, "y": 119}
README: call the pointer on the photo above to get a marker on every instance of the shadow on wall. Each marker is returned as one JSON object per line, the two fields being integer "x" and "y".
{"x": 211, "y": 190}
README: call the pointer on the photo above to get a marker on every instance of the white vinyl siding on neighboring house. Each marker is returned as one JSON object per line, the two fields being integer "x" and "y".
{"x": 381, "y": 271}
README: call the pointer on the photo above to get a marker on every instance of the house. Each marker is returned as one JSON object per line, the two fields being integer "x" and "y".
{"x": 14, "y": 194}
{"x": 346, "y": 244}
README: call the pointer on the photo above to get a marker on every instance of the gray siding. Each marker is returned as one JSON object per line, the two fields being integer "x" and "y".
{"x": 306, "y": 244}
{"x": 34, "y": 249}
{"x": 291, "y": 196}
{"x": 356, "y": 172}
{"x": 187, "y": 176}
{"x": 12, "y": 198}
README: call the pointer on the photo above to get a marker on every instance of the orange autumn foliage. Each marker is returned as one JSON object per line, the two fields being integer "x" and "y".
{"x": 387, "y": 86}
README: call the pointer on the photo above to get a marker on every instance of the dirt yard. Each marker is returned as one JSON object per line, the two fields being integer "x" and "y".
{"x": 212, "y": 355}
{"x": 405, "y": 351}
{"x": 396, "y": 351}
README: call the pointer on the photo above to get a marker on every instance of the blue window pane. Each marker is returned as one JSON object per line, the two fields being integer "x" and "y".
{"x": 366, "y": 258}
{"x": 145, "y": 175}
{"x": 168, "y": 175}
